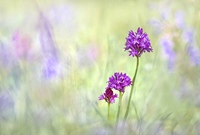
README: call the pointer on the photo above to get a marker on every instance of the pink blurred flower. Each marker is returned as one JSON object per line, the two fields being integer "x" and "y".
{"x": 21, "y": 45}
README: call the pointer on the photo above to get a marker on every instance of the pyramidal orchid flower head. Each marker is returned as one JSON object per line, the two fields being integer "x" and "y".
{"x": 108, "y": 96}
{"x": 119, "y": 81}
{"x": 137, "y": 43}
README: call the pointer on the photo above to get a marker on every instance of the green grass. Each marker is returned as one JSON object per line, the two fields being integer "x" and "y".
{"x": 69, "y": 105}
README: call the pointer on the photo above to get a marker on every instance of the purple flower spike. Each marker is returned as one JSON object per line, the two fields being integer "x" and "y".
{"x": 137, "y": 43}
{"x": 119, "y": 81}
{"x": 109, "y": 96}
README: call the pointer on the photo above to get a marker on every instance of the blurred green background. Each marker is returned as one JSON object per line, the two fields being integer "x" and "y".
{"x": 56, "y": 57}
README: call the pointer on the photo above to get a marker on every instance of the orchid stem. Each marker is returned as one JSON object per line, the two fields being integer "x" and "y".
{"x": 108, "y": 115}
{"x": 130, "y": 96}
{"x": 119, "y": 106}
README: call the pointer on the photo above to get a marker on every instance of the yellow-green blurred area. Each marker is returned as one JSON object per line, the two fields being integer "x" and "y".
{"x": 57, "y": 56}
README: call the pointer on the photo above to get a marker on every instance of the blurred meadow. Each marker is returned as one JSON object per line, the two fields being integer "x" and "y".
{"x": 56, "y": 58}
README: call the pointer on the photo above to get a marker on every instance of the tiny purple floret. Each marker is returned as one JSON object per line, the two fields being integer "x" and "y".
{"x": 137, "y": 43}
{"x": 109, "y": 96}
{"x": 119, "y": 81}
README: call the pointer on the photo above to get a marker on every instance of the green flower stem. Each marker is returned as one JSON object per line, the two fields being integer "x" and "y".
{"x": 130, "y": 96}
{"x": 119, "y": 105}
{"x": 108, "y": 115}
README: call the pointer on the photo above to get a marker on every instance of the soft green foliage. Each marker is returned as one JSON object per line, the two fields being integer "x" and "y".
{"x": 164, "y": 101}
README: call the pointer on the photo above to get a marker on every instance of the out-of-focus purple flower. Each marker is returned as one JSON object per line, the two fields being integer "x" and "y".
{"x": 6, "y": 104}
{"x": 46, "y": 37}
{"x": 6, "y": 56}
{"x": 137, "y": 43}
{"x": 50, "y": 68}
{"x": 188, "y": 36}
{"x": 108, "y": 96}
{"x": 168, "y": 52}
{"x": 119, "y": 81}
{"x": 179, "y": 19}
{"x": 5, "y": 101}
{"x": 194, "y": 54}
{"x": 48, "y": 45}
{"x": 167, "y": 47}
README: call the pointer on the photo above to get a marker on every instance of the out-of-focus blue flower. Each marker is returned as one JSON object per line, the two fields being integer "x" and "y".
{"x": 167, "y": 47}
{"x": 167, "y": 51}
{"x": 179, "y": 19}
{"x": 5, "y": 101}
{"x": 188, "y": 36}
{"x": 50, "y": 68}
{"x": 194, "y": 54}
{"x": 5, "y": 55}
{"x": 6, "y": 105}
{"x": 46, "y": 37}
